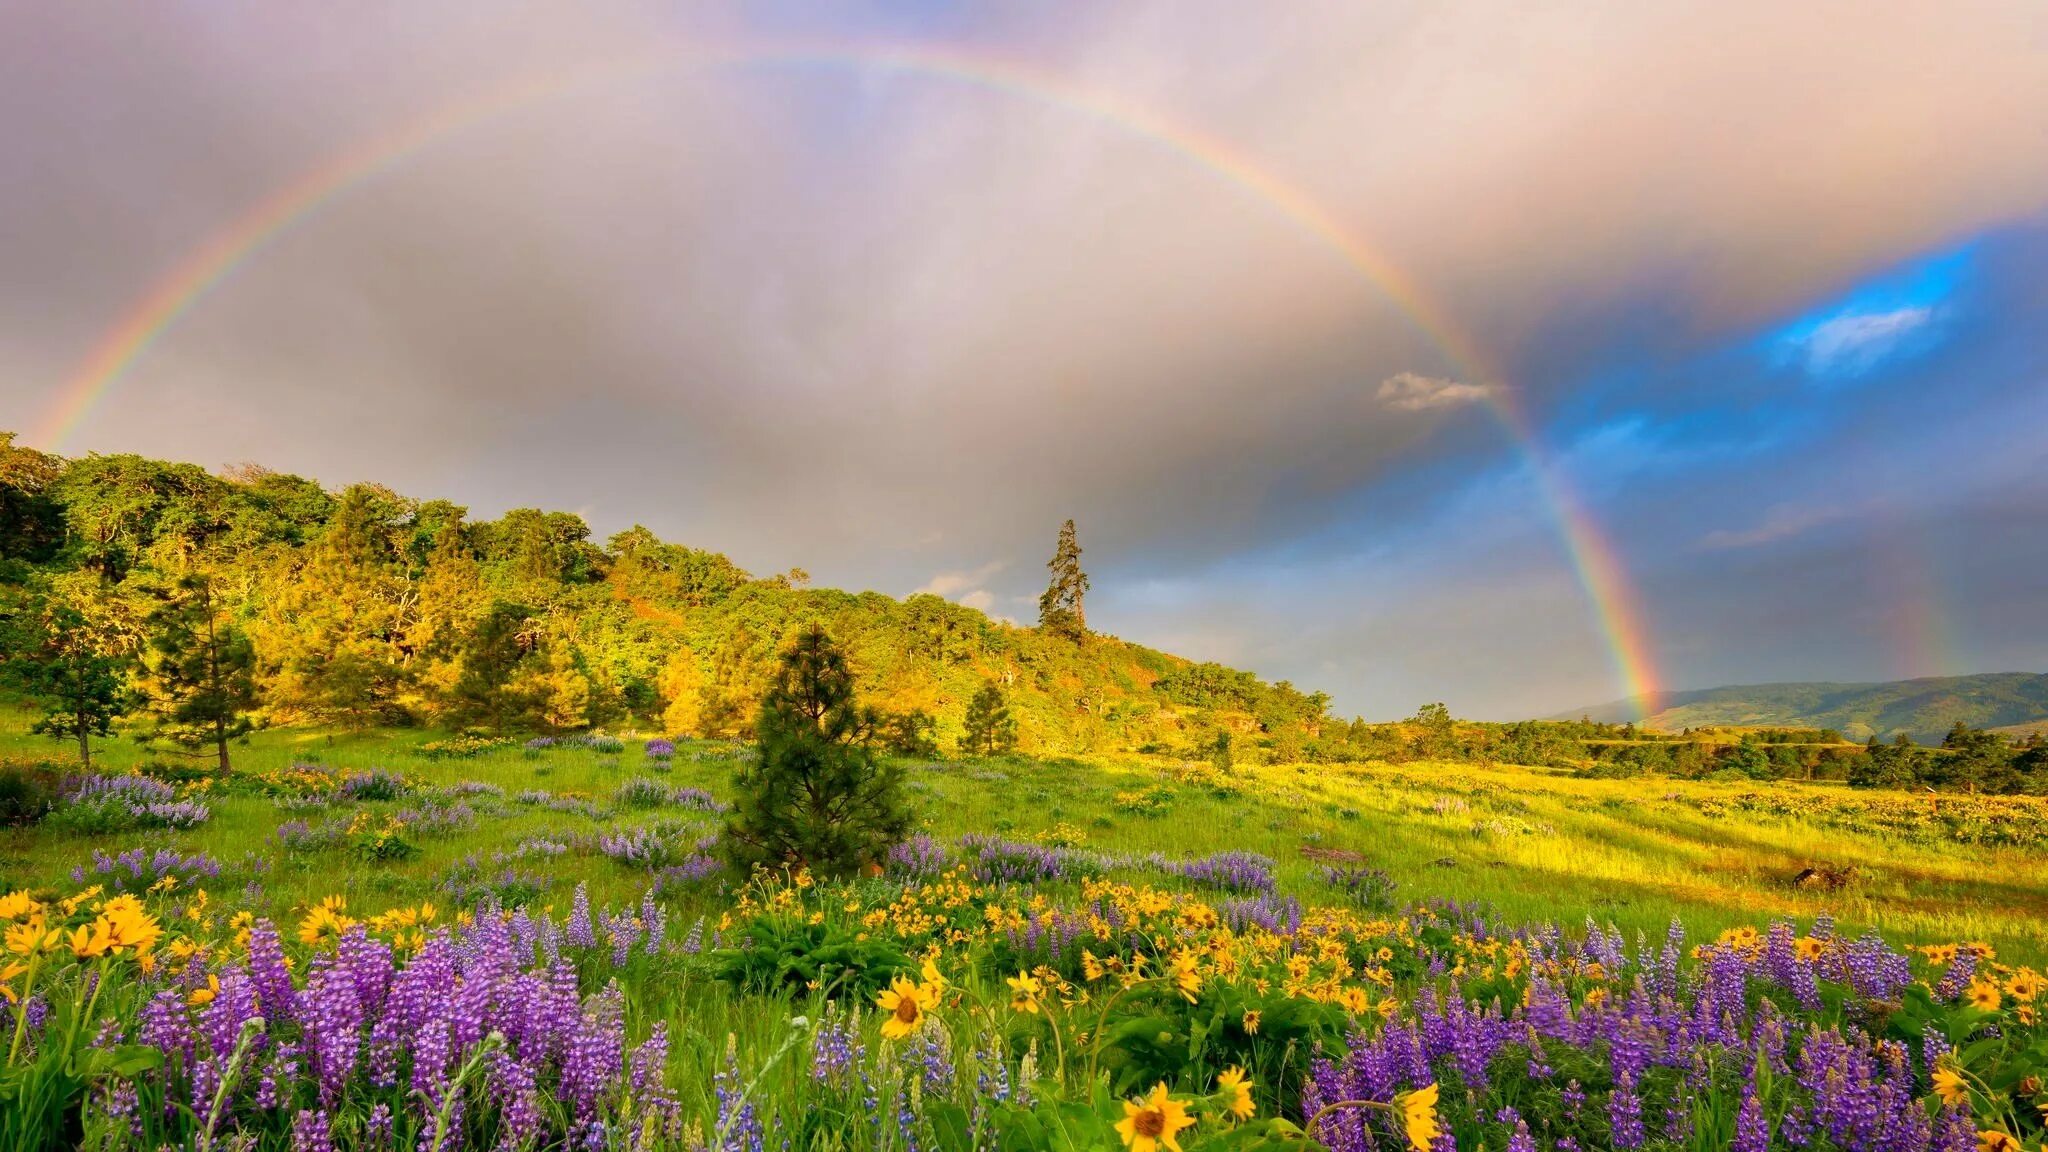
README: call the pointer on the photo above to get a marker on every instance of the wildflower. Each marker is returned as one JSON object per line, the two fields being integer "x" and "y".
{"x": 7, "y": 975}
{"x": 1994, "y": 1140}
{"x": 1153, "y": 1121}
{"x": 201, "y": 996}
{"x": 1236, "y": 1090}
{"x": 1808, "y": 948}
{"x": 1185, "y": 976}
{"x": 932, "y": 978}
{"x": 1026, "y": 990}
{"x": 1418, "y": 1117}
{"x": 129, "y": 926}
{"x": 1984, "y": 994}
{"x": 1950, "y": 1086}
{"x": 1251, "y": 1022}
{"x": 2025, "y": 985}
{"x": 1091, "y": 968}
{"x": 87, "y": 942}
{"x": 28, "y": 937}
{"x": 18, "y": 905}
{"x": 906, "y": 1002}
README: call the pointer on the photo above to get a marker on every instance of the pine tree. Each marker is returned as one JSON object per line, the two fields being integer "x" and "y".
{"x": 818, "y": 796}
{"x": 204, "y": 670}
{"x": 80, "y": 689}
{"x": 1060, "y": 609}
{"x": 990, "y": 727}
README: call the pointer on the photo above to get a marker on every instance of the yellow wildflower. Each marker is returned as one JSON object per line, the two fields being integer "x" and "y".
{"x": 1236, "y": 1090}
{"x": 906, "y": 1002}
{"x": 1153, "y": 1121}
{"x": 18, "y": 906}
{"x": 1418, "y": 1117}
{"x": 1025, "y": 990}
{"x": 1950, "y": 1086}
{"x": 1251, "y": 1021}
{"x": 1993, "y": 1140}
{"x": 205, "y": 995}
{"x": 1984, "y": 994}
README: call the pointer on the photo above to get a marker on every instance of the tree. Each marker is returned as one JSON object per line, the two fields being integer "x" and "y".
{"x": 990, "y": 727}
{"x": 907, "y": 734}
{"x": 1436, "y": 740}
{"x": 818, "y": 796}
{"x": 485, "y": 692}
{"x": 81, "y": 689}
{"x": 1060, "y": 610}
{"x": 204, "y": 670}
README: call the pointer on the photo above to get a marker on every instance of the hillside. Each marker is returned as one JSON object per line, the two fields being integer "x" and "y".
{"x": 367, "y": 608}
{"x": 1923, "y": 709}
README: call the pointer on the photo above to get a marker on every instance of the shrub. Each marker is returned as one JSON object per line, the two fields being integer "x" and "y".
{"x": 642, "y": 792}
{"x": 28, "y": 791}
{"x": 660, "y": 749}
{"x": 375, "y": 784}
{"x": 780, "y": 956}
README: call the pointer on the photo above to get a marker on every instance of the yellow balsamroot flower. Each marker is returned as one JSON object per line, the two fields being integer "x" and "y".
{"x": 1091, "y": 968}
{"x": 29, "y": 937}
{"x": 130, "y": 925}
{"x": 1025, "y": 990}
{"x": 88, "y": 942}
{"x": 2025, "y": 985}
{"x": 1236, "y": 1090}
{"x": 1984, "y": 994}
{"x": 1808, "y": 948}
{"x": 906, "y": 1002}
{"x": 1251, "y": 1022}
{"x": 7, "y": 975}
{"x": 1950, "y": 1086}
{"x": 1153, "y": 1121}
{"x": 1994, "y": 1140}
{"x": 205, "y": 995}
{"x": 1418, "y": 1117}
{"x": 1185, "y": 976}
{"x": 933, "y": 979}
{"x": 18, "y": 906}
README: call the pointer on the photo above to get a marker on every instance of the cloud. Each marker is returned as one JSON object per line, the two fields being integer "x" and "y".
{"x": 1850, "y": 346}
{"x": 1413, "y": 392}
{"x": 966, "y": 586}
{"x": 1782, "y": 522}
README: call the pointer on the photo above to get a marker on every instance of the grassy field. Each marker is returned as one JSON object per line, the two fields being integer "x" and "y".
{"x": 1534, "y": 845}
{"x": 1480, "y": 862}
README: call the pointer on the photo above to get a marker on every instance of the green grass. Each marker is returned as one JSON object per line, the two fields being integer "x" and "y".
{"x": 1534, "y": 845}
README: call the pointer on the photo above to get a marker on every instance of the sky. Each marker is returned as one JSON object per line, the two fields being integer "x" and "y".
{"x": 1510, "y": 357}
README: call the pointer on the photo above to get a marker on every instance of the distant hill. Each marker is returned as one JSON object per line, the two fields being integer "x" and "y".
{"x": 1923, "y": 709}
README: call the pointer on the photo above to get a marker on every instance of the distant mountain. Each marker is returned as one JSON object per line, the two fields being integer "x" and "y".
{"x": 1923, "y": 709}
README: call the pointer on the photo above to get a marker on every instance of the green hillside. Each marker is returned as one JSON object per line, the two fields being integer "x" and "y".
{"x": 368, "y": 608}
{"x": 1923, "y": 709}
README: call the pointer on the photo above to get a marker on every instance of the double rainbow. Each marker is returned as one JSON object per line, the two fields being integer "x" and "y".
{"x": 1593, "y": 557}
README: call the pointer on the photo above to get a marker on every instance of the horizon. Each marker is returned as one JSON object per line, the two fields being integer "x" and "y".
{"x": 886, "y": 294}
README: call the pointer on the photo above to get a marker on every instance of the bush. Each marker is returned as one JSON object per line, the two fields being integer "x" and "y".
{"x": 776, "y": 956}
{"x": 376, "y": 784}
{"x": 28, "y": 792}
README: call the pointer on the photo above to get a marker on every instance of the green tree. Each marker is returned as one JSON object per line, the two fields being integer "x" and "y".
{"x": 817, "y": 796}
{"x": 203, "y": 670}
{"x": 80, "y": 689}
{"x": 1061, "y": 611}
{"x": 1437, "y": 736}
{"x": 486, "y": 691}
{"x": 990, "y": 727}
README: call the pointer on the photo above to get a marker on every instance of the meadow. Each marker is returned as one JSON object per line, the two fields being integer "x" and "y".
{"x": 1296, "y": 919}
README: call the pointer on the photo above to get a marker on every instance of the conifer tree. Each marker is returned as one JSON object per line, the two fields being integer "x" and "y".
{"x": 990, "y": 727}
{"x": 204, "y": 670}
{"x": 818, "y": 796}
{"x": 81, "y": 689}
{"x": 1060, "y": 610}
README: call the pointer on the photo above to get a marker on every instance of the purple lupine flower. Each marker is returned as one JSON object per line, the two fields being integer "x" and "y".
{"x": 1625, "y": 1114}
{"x": 310, "y": 1133}
{"x": 581, "y": 932}
{"x": 1752, "y": 1130}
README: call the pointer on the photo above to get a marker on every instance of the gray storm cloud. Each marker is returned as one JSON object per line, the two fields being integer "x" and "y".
{"x": 888, "y": 324}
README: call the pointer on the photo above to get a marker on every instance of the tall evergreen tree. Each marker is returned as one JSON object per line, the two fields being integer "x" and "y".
{"x": 1061, "y": 610}
{"x": 818, "y": 796}
{"x": 204, "y": 670}
{"x": 80, "y": 689}
{"x": 990, "y": 727}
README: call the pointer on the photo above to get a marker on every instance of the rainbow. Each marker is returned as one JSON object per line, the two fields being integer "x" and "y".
{"x": 1595, "y": 561}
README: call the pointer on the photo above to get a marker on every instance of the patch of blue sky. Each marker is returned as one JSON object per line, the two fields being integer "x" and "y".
{"x": 1899, "y": 314}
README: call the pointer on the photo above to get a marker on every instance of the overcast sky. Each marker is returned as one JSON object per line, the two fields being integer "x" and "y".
{"x": 1769, "y": 283}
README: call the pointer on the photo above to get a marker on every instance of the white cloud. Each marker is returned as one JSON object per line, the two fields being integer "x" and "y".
{"x": 1414, "y": 392}
{"x": 1853, "y": 344}
{"x": 1780, "y": 523}
{"x": 965, "y": 586}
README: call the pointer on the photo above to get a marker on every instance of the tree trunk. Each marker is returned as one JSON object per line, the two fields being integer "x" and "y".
{"x": 223, "y": 745}
{"x": 84, "y": 743}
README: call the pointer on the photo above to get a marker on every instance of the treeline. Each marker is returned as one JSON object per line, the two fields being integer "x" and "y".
{"x": 363, "y": 607}
{"x": 1968, "y": 759}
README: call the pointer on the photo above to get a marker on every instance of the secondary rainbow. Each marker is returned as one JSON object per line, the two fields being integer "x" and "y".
{"x": 1596, "y": 563}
